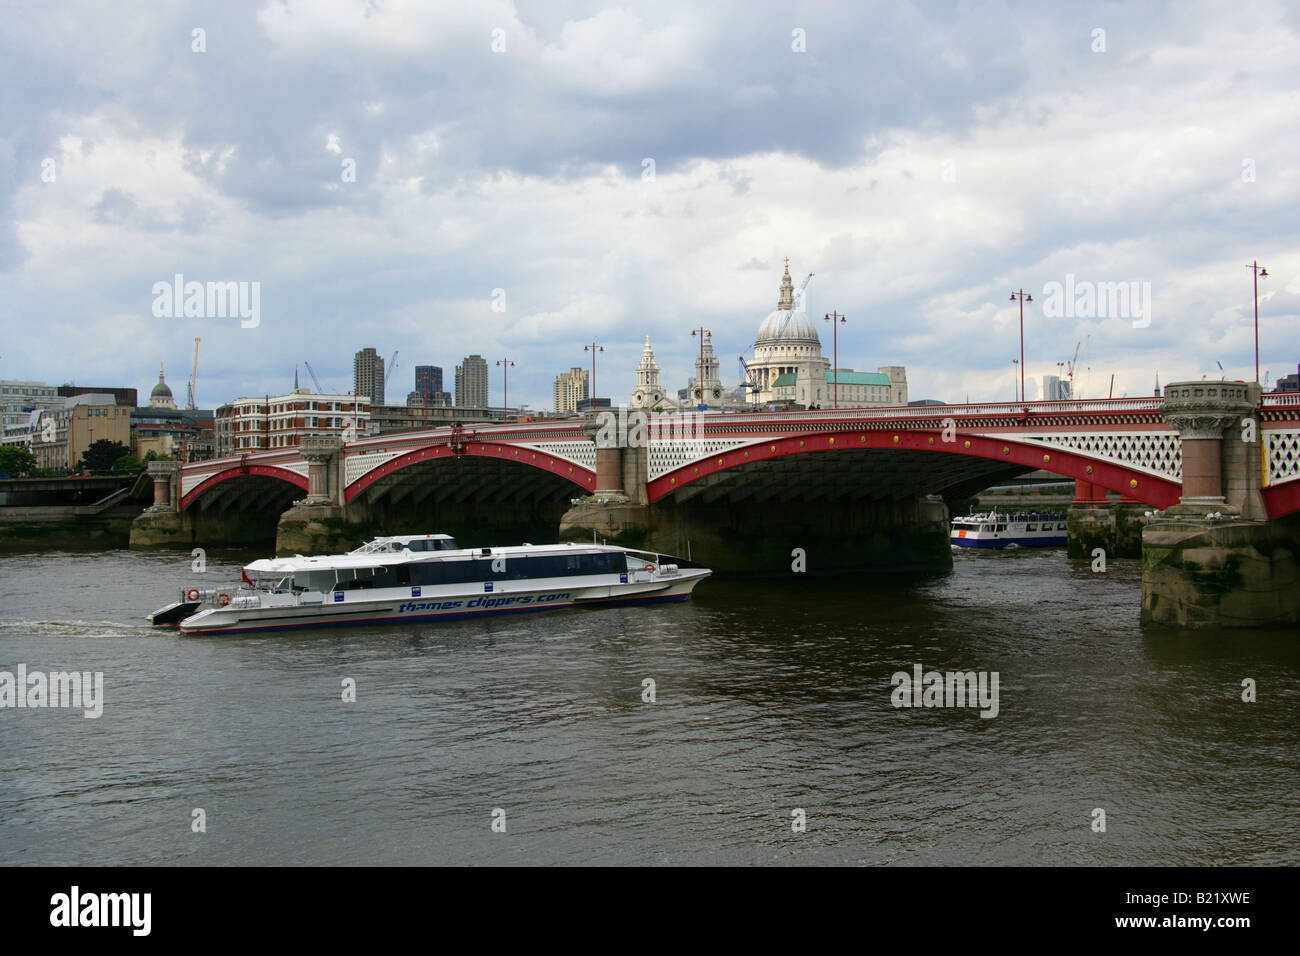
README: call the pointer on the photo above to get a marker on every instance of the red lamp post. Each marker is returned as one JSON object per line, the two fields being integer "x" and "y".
{"x": 505, "y": 365}
{"x": 593, "y": 349}
{"x": 836, "y": 320}
{"x": 1023, "y": 297}
{"x": 1260, "y": 273}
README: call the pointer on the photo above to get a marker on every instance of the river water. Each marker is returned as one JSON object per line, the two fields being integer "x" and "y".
{"x": 771, "y": 696}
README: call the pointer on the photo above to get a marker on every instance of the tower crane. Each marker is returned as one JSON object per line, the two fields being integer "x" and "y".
{"x": 1075, "y": 361}
{"x": 392, "y": 364}
{"x": 797, "y": 296}
{"x": 321, "y": 390}
{"x": 746, "y": 380}
{"x": 194, "y": 376}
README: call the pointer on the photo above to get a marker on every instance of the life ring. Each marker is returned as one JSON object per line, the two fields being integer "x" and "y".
{"x": 192, "y": 594}
{"x": 223, "y": 599}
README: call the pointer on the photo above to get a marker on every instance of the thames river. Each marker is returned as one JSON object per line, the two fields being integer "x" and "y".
{"x": 533, "y": 739}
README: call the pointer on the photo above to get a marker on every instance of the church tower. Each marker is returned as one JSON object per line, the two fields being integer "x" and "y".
{"x": 649, "y": 393}
{"x": 708, "y": 391}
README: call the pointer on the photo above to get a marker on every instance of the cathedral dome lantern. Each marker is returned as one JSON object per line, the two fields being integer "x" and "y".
{"x": 161, "y": 396}
{"x": 787, "y": 323}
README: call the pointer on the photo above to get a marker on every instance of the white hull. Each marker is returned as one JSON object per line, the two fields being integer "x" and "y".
{"x": 400, "y": 605}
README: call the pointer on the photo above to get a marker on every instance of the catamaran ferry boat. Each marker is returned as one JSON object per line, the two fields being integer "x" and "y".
{"x": 423, "y": 577}
{"x": 994, "y": 530}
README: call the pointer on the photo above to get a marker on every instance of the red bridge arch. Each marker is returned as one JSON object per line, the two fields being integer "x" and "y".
{"x": 243, "y": 471}
{"x": 582, "y": 477}
{"x": 1139, "y": 485}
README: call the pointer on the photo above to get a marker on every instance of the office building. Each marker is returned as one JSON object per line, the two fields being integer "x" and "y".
{"x": 570, "y": 388}
{"x": 472, "y": 382}
{"x": 368, "y": 376}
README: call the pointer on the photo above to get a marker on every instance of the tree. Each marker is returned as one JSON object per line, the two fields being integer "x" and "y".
{"x": 102, "y": 455}
{"x": 127, "y": 463}
{"x": 15, "y": 460}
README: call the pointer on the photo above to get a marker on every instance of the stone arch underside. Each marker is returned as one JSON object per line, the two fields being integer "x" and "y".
{"x": 253, "y": 488}
{"x": 478, "y": 499}
{"x": 889, "y": 465}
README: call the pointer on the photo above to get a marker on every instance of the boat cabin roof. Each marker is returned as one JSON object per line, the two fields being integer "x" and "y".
{"x": 368, "y": 557}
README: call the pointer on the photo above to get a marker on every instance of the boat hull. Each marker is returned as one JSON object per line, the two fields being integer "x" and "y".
{"x": 404, "y": 608}
{"x": 1024, "y": 542}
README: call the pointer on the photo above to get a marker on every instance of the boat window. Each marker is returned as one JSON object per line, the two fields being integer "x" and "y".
{"x": 352, "y": 579}
{"x": 517, "y": 568}
{"x": 1001, "y": 527}
{"x": 314, "y": 580}
{"x": 398, "y": 577}
{"x": 1060, "y": 526}
{"x": 1031, "y": 527}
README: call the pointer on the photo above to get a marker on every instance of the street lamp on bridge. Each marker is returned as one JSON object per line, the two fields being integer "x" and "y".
{"x": 1260, "y": 273}
{"x": 1023, "y": 297}
{"x": 505, "y": 366}
{"x": 593, "y": 349}
{"x": 836, "y": 320}
{"x": 1015, "y": 363}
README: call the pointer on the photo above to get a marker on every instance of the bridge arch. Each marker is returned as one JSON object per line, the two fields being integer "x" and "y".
{"x": 1134, "y": 483}
{"x": 581, "y": 477}
{"x": 237, "y": 473}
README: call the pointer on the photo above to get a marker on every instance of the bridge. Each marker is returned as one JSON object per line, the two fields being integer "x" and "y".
{"x": 743, "y": 487}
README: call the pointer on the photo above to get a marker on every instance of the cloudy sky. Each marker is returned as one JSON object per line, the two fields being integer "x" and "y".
{"x": 380, "y": 168}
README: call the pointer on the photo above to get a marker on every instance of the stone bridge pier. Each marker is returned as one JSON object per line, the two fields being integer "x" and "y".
{"x": 319, "y": 523}
{"x": 162, "y": 524}
{"x": 619, "y": 510}
{"x": 1215, "y": 559}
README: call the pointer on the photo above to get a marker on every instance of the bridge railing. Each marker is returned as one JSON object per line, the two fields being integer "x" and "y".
{"x": 1145, "y": 404}
{"x": 712, "y": 418}
{"x": 1281, "y": 400}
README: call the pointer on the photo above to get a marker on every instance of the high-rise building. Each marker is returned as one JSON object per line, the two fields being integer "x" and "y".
{"x": 1055, "y": 389}
{"x": 368, "y": 376}
{"x": 428, "y": 385}
{"x": 570, "y": 388}
{"x": 472, "y": 382}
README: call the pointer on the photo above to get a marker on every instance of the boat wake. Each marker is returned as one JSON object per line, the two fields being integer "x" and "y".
{"x": 71, "y": 628}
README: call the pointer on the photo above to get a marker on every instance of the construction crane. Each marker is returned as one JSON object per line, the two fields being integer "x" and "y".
{"x": 1074, "y": 362}
{"x": 392, "y": 364}
{"x": 194, "y": 376}
{"x": 746, "y": 380}
{"x": 320, "y": 390}
{"x": 803, "y": 285}
{"x": 797, "y": 296}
